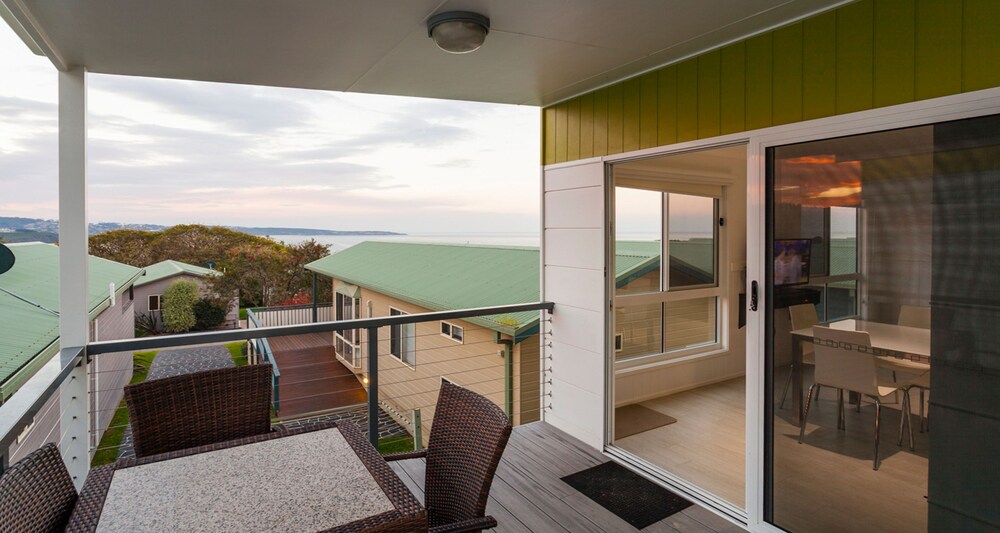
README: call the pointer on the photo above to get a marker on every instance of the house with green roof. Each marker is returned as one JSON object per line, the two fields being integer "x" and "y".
{"x": 29, "y": 333}
{"x": 374, "y": 279}
{"x": 150, "y": 286}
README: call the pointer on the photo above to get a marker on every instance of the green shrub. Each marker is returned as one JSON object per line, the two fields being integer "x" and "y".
{"x": 209, "y": 313}
{"x": 178, "y": 306}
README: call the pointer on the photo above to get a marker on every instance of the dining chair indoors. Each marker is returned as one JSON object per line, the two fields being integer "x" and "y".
{"x": 802, "y": 316}
{"x": 467, "y": 439}
{"x": 841, "y": 365}
{"x": 914, "y": 316}
{"x": 37, "y": 493}
{"x": 199, "y": 408}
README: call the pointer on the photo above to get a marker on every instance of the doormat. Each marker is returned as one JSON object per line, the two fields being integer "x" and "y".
{"x": 628, "y": 495}
{"x": 635, "y": 418}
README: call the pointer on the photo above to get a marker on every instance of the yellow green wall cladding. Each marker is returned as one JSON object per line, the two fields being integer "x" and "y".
{"x": 859, "y": 56}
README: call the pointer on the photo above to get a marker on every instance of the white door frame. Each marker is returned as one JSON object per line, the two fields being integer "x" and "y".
{"x": 954, "y": 107}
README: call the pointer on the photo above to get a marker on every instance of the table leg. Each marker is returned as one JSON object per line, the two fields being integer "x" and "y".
{"x": 797, "y": 381}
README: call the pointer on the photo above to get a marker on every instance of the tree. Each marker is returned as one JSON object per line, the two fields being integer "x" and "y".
{"x": 258, "y": 273}
{"x": 129, "y": 246}
{"x": 178, "y": 306}
{"x": 300, "y": 279}
{"x": 210, "y": 313}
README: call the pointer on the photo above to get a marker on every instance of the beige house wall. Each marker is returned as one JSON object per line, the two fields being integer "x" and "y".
{"x": 477, "y": 364}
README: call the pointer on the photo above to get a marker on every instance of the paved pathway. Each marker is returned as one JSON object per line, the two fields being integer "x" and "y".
{"x": 169, "y": 363}
{"x": 387, "y": 426}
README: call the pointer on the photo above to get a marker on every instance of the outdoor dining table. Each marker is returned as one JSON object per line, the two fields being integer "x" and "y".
{"x": 890, "y": 342}
{"x": 321, "y": 478}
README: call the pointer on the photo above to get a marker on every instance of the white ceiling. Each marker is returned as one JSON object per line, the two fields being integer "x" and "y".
{"x": 538, "y": 51}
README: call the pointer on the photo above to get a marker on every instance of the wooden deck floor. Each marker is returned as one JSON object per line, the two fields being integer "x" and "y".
{"x": 312, "y": 379}
{"x": 529, "y": 496}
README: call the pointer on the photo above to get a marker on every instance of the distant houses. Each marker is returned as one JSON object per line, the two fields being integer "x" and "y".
{"x": 149, "y": 288}
{"x": 29, "y": 335}
{"x": 376, "y": 279}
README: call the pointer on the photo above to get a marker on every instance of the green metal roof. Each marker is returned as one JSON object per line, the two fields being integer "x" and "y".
{"x": 168, "y": 268}
{"x": 29, "y": 323}
{"x": 442, "y": 277}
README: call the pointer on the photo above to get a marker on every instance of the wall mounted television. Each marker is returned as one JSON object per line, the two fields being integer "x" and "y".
{"x": 791, "y": 261}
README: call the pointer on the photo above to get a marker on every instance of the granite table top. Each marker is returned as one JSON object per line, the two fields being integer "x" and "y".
{"x": 307, "y": 482}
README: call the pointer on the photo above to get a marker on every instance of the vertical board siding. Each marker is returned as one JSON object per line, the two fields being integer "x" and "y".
{"x": 855, "y": 48}
{"x": 819, "y": 66}
{"x": 786, "y": 98}
{"x": 859, "y": 56}
{"x": 733, "y": 100}
{"x": 687, "y": 100}
{"x": 895, "y": 43}
{"x": 709, "y": 91}
{"x": 631, "y": 94}
{"x": 939, "y": 48}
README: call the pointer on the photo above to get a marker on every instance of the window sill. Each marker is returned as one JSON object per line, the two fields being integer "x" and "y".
{"x": 648, "y": 362}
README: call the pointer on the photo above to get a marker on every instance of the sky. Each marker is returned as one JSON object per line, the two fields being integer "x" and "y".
{"x": 169, "y": 152}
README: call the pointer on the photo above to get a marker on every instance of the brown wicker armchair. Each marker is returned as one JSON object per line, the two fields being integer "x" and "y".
{"x": 467, "y": 439}
{"x": 36, "y": 493}
{"x": 199, "y": 408}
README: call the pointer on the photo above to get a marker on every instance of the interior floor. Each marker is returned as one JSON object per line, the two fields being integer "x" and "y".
{"x": 706, "y": 446}
{"x": 824, "y": 484}
{"x": 827, "y": 483}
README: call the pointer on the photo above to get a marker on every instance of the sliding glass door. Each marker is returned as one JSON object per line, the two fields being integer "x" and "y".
{"x": 883, "y": 304}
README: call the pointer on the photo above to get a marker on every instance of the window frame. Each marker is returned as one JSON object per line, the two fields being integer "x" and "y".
{"x": 159, "y": 302}
{"x": 399, "y": 332}
{"x": 451, "y": 332}
{"x": 350, "y": 337}
{"x": 717, "y": 289}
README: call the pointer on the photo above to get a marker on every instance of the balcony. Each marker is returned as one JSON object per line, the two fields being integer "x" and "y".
{"x": 527, "y": 494}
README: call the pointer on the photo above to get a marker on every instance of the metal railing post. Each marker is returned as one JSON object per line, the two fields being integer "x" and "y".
{"x": 315, "y": 293}
{"x": 373, "y": 386}
{"x": 418, "y": 431}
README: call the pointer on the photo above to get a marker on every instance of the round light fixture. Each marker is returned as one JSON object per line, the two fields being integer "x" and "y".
{"x": 458, "y": 32}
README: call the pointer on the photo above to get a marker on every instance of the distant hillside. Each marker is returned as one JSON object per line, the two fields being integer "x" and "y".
{"x": 19, "y": 229}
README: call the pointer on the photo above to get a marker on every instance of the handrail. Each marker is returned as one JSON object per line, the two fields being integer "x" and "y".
{"x": 20, "y": 409}
{"x": 288, "y": 307}
{"x": 185, "y": 339}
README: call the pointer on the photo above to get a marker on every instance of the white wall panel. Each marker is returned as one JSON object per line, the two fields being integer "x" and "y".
{"x": 583, "y": 328}
{"x": 574, "y": 177}
{"x": 578, "y": 287}
{"x": 574, "y": 248}
{"x": 575, "y": 208}
{"x": 573, "y": 278}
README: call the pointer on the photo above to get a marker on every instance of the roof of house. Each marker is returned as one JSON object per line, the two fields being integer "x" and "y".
{"x": 168, "y": 268}
{"x": 29, "y": 305}
{"x": 442, "y": 277}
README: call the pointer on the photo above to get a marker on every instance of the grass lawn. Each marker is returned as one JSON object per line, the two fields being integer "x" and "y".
{"x": 243, "y": 313}
{"x": 395, "y": 444}
{"x": 238, "y": 351}
{"x": 107, "y": 450}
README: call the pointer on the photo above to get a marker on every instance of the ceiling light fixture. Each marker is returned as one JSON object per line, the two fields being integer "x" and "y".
{"x": 458, "y": 32}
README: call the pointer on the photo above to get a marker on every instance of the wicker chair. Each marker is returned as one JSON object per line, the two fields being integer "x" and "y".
{"x": 467, "y": 439}
{"x": 36, "y": 493}
{"x": 199, "y": 408}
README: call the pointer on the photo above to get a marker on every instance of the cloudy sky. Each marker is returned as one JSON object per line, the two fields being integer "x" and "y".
{"x": 168, "y": 152}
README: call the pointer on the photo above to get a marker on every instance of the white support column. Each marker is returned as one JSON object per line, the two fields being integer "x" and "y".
{"x": 73, "y": 305}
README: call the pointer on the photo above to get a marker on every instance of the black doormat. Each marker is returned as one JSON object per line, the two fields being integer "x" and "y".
{"x": 628, "y": 495}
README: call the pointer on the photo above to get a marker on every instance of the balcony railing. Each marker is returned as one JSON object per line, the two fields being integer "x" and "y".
{"x": 259, "y": 352}
{"x": 73, "y": 363}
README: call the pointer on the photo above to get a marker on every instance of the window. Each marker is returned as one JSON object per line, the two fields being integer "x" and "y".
{"x": 154, "y": 302}
{"x": 453, "y": 332}
{"x": 348, "y": 342}
{"x": 665, "y": 307}
{"x": 402, "y": 340}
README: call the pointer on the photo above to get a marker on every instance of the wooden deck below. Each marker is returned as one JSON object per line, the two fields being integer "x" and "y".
{"x": 312, "y": 379}
{"x": 529, "y": 496}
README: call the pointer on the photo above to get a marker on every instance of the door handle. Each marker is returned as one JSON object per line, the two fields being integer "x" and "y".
{"x": 753, "y": 295}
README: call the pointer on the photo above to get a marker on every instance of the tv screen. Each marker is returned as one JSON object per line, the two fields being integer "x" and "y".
{"x": 791, "y": 261}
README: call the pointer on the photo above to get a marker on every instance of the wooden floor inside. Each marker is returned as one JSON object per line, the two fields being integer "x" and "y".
{"x": 824, "y": 484}
{"x": 706, "y": 446}
{"x": 529, "y": 496}
{"x": 312, "y": 379}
